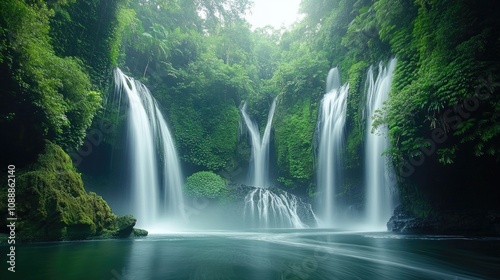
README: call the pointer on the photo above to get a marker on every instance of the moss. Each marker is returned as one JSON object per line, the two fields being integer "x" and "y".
{"x": 52, "y": 203}
{"x": 123, "y": 228}
{"x": 139, "y": 233}
{"x": 125, "y": 222}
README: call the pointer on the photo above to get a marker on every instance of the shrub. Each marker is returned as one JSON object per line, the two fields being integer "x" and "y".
{"x": 206, "y": 184}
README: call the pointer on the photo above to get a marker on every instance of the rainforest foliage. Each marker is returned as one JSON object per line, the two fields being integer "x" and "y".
{"x": 201, "y": 59}
{"x": 53, "y": 80}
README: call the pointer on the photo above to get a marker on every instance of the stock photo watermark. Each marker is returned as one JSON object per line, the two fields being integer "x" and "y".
{"x": 198, "y": 204}
{"x": 11, "y": 217}
{"x": 95, "y": 136}
{"x": 118, "y": 275}
{"x": 93, "y": 139}
{"x": 453, "y": 118}
{"x": 304, "y": 269}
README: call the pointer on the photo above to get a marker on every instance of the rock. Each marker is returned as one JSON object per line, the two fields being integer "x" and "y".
{"x": 52, "y": 204}
{"x": 404, "y": 221}
{"x": 125, "y": 228}
{"x": 464, "y": 222}
{"x": 125, "y": 223}
{"x": 139, "y": 232}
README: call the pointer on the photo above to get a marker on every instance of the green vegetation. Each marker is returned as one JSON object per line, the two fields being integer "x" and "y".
{"x": 201, "y": 60}
{"x": 92, "y": 31}
{"x": 294, "y": 134}
{"x": 47, "y": 93}
{"x": 199, "y": 78}
{"x": 206, "y": 184}
{"x": 446, "y": 55}
{"x": 55, "y": 205}
{"x": 447, "y": 60}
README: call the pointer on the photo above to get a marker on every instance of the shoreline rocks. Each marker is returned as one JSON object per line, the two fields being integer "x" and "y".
{"x": 463, "y": 222}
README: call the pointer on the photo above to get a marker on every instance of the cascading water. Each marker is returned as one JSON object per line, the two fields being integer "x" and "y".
{"x": 155, "y": 174}
{"x": 378, "y": 182}
{"x": 265, "y": 207}
{"x": 260, "y": 148}
{"x": 330, "y": 131}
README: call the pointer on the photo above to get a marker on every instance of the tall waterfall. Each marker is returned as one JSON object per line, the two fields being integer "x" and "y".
{"x": 378, "y": 183}
{"x": 260, "y": 148}
{"x": 155, "y": 174}
{"x": 268, "y": 207}
{"x": 330, "y": 127}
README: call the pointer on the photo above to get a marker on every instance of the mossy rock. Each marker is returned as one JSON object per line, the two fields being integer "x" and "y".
{"x": 52, "y": 204}
{"x": 125, "y": 222}
{"x": 125, "y": 226}
{"x": 139, "y": 232}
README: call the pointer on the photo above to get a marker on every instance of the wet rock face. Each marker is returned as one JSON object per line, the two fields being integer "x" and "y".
{"x": 404, "y": 222}
{"x": 467, "y": 222}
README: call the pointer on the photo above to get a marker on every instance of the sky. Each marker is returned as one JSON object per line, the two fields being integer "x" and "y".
{"x": 273, "y": 12}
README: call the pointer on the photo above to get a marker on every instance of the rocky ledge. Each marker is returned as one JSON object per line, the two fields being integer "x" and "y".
{"x": 123, "y": 228}
{"x": 463, "y": 222}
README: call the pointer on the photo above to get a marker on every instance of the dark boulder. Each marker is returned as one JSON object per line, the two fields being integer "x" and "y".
{"x": 464, "y": 222}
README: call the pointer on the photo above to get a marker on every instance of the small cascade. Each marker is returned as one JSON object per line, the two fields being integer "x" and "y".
{"x": 378, "y": 182}
{"x": 155, "y": 174}
{"x": 330, "y": 133}
{"x": 260, "y": 148}
{"x": 265, "y": 208}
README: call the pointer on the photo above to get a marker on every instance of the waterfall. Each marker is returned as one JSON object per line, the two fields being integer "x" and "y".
{"x": 155, "y": 174}
{"x": 260, "y": 148}
{"x": 330, "y": 132}
{"x": 266, "y": 209}
{"x": 378, "y": 183}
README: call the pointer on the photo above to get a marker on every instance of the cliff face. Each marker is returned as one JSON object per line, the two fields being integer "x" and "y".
{"x": 52, "y": 204}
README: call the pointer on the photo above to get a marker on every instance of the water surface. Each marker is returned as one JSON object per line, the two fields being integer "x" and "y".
{"x": 273, "y": 254}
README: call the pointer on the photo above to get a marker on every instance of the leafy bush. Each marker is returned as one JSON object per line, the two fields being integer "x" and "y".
{"x": 206, "y": 184}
